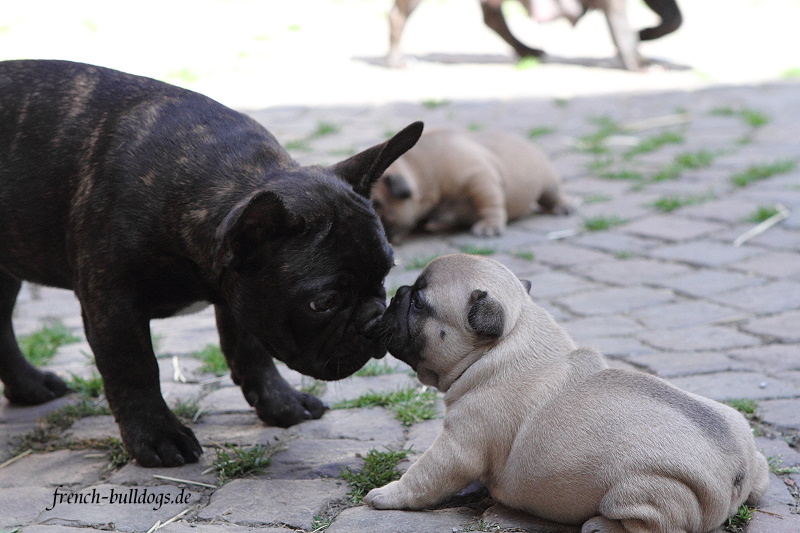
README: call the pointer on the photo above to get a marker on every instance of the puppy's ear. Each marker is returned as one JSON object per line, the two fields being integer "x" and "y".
{"x": 397, "y": 186}
{"x": 527, "y": 284}
{"x": 364, "y": 168}
{"x": 485, "y": 315}
{"x": 253, "y": 222}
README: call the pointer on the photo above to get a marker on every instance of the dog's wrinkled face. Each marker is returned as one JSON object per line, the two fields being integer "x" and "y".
{"x": 396, "y": 200}
{"x": 458, "y": 308}
{"x": 307, "y": 278}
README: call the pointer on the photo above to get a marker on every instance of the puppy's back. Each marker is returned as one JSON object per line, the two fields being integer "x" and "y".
{"x": 627, "y": 435}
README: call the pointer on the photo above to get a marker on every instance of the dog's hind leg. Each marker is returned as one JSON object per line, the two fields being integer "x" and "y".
{"x": 624, "y": 37}
{"x": 493, "y": 17}
{"x": 23, "y": 383}
{"x": 601, "y": 524}
{"x": 398, "y": 16}
{"x": 671, "y": 19}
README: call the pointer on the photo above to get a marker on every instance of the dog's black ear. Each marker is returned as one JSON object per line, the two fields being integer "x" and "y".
{"x": 527, "y": 284}
{"x": 485, "y": 315}
{"x": 364, "y": 168}
{"x": 397, "y": 186}
{"x": 254, "y": 221}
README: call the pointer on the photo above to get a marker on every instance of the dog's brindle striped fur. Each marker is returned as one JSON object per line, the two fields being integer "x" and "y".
{"x": 144, "y": 199}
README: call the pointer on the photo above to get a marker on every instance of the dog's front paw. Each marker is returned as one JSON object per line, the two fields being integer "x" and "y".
{"x": 488, "y": 228}
{"x": 34, "y": 387}
{"x": 387, "y": 497}
{"x": 160, "y": 441}
{"x": 285, "y": 407}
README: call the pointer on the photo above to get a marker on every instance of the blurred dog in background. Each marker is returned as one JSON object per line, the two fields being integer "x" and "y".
{"x": 624, "y": 37}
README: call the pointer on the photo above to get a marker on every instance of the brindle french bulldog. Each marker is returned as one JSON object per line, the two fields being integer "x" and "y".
{"x": 623, "y": 35}
{"x": 145, "y": 198}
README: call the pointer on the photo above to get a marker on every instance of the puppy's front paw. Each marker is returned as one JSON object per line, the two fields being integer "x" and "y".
{"x": 488, "y": 228}
{"x": 387, "y": 497}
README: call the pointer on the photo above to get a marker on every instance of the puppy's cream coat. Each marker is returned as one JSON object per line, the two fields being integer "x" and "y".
{"x": 548, "y": 427}
{"x": 452, "y": 180}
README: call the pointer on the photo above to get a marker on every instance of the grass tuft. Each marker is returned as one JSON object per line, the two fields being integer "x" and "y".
{"x": 654, "y": 142}
{"x": 755, "y": 173}
{"x": 379, "y": 469}
{"x": 600, "y": 223}
{"x": 746, "y": 406}
{"x": 91, "y": 387}
{"x": 738, "y": 522}
{"x": 375, "y": 368}
{"x": 475, "y": 249}
{"x": 409, "y": 405}
{"x": 233, "y": 461}
{"x": 40, "y": 346}
{"x": 762, "y": 213}
{"x": 187, "y": 410}
{"x": 212, "y": 358}
{"x": 667, "y": 204}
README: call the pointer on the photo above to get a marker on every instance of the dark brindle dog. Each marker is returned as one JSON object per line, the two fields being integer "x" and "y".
{"x": 624, "y": 37}
{"x": 144, "y": 198}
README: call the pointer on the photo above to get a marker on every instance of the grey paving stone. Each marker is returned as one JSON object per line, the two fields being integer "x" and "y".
{"x": 14, "y": 413}
{"x": 698, "y": 338}
{"x": 766, "y": 521}
{"x": 630, "y": 272}
{"x": 777, "y": 238}
{"x": 59, "y": 529}
{"x": 364, "y": 520}
{"x": 615, "y": 300}
{"x": 133, "y": 474}
{"x": 119, "y": 507}
{"x": 60, "y": 467}
{"x": 517, "y": 262}
{"x": 508, "y": 518}
{"x": 512, "y": 239}
{"x": 781, "y": 413}
{"x": 777, "y": 448}
{"x": 616, "y": 242}
{"x": 242, "y": 429}
{"x": 21, "y": 505}
{"x": 722, "y": 386}
{"x": 685, "y": 314}
{"x": 706, "y": 282}
{"x": 731, "y": 210}
{"x": 618, "y": 347}
{"x": 671, "y": 228}
{"x": 776, "y": 358}
{"x": 601, "y": 326}
{"x": 353, "y": 387}
{"x": 768, "y": 298}
{"x": 566, "y": 255}
{"x": 556, "y": 284}
{"x": 704, "y": 253}
{"x": 289, "y": 502}
{"x": 369, "y": 425}
{"x": 316, "y": 458}
{"x": 225, "y": 400}
{"x": 771, "y": 264}
{"x": 676, "y": 364}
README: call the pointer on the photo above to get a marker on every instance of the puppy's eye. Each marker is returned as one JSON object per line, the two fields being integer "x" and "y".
{"x": 325, "y": 303}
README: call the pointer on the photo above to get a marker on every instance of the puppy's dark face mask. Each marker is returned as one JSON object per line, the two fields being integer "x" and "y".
{"x": 404, "y": 323}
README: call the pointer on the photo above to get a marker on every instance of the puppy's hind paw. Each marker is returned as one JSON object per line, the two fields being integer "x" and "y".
{"x": 488, "y": 228}
{"x": 601, "y": 524}
{"x": 34, "y": 388}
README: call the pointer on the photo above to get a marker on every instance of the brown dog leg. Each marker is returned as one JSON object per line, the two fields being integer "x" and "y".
{"x": 398, "y": 16}
{"x": 493, "y": 17}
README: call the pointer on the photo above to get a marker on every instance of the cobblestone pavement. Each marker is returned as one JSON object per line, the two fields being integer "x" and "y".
{"x": 662, "y": 292}
{"x": 651, "y": 269}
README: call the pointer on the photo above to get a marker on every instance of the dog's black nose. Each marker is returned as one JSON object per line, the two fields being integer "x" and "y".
{"x": 370, "y": 318}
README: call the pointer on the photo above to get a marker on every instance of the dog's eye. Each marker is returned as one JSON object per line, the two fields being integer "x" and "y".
{"x": 325, "y": 303}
